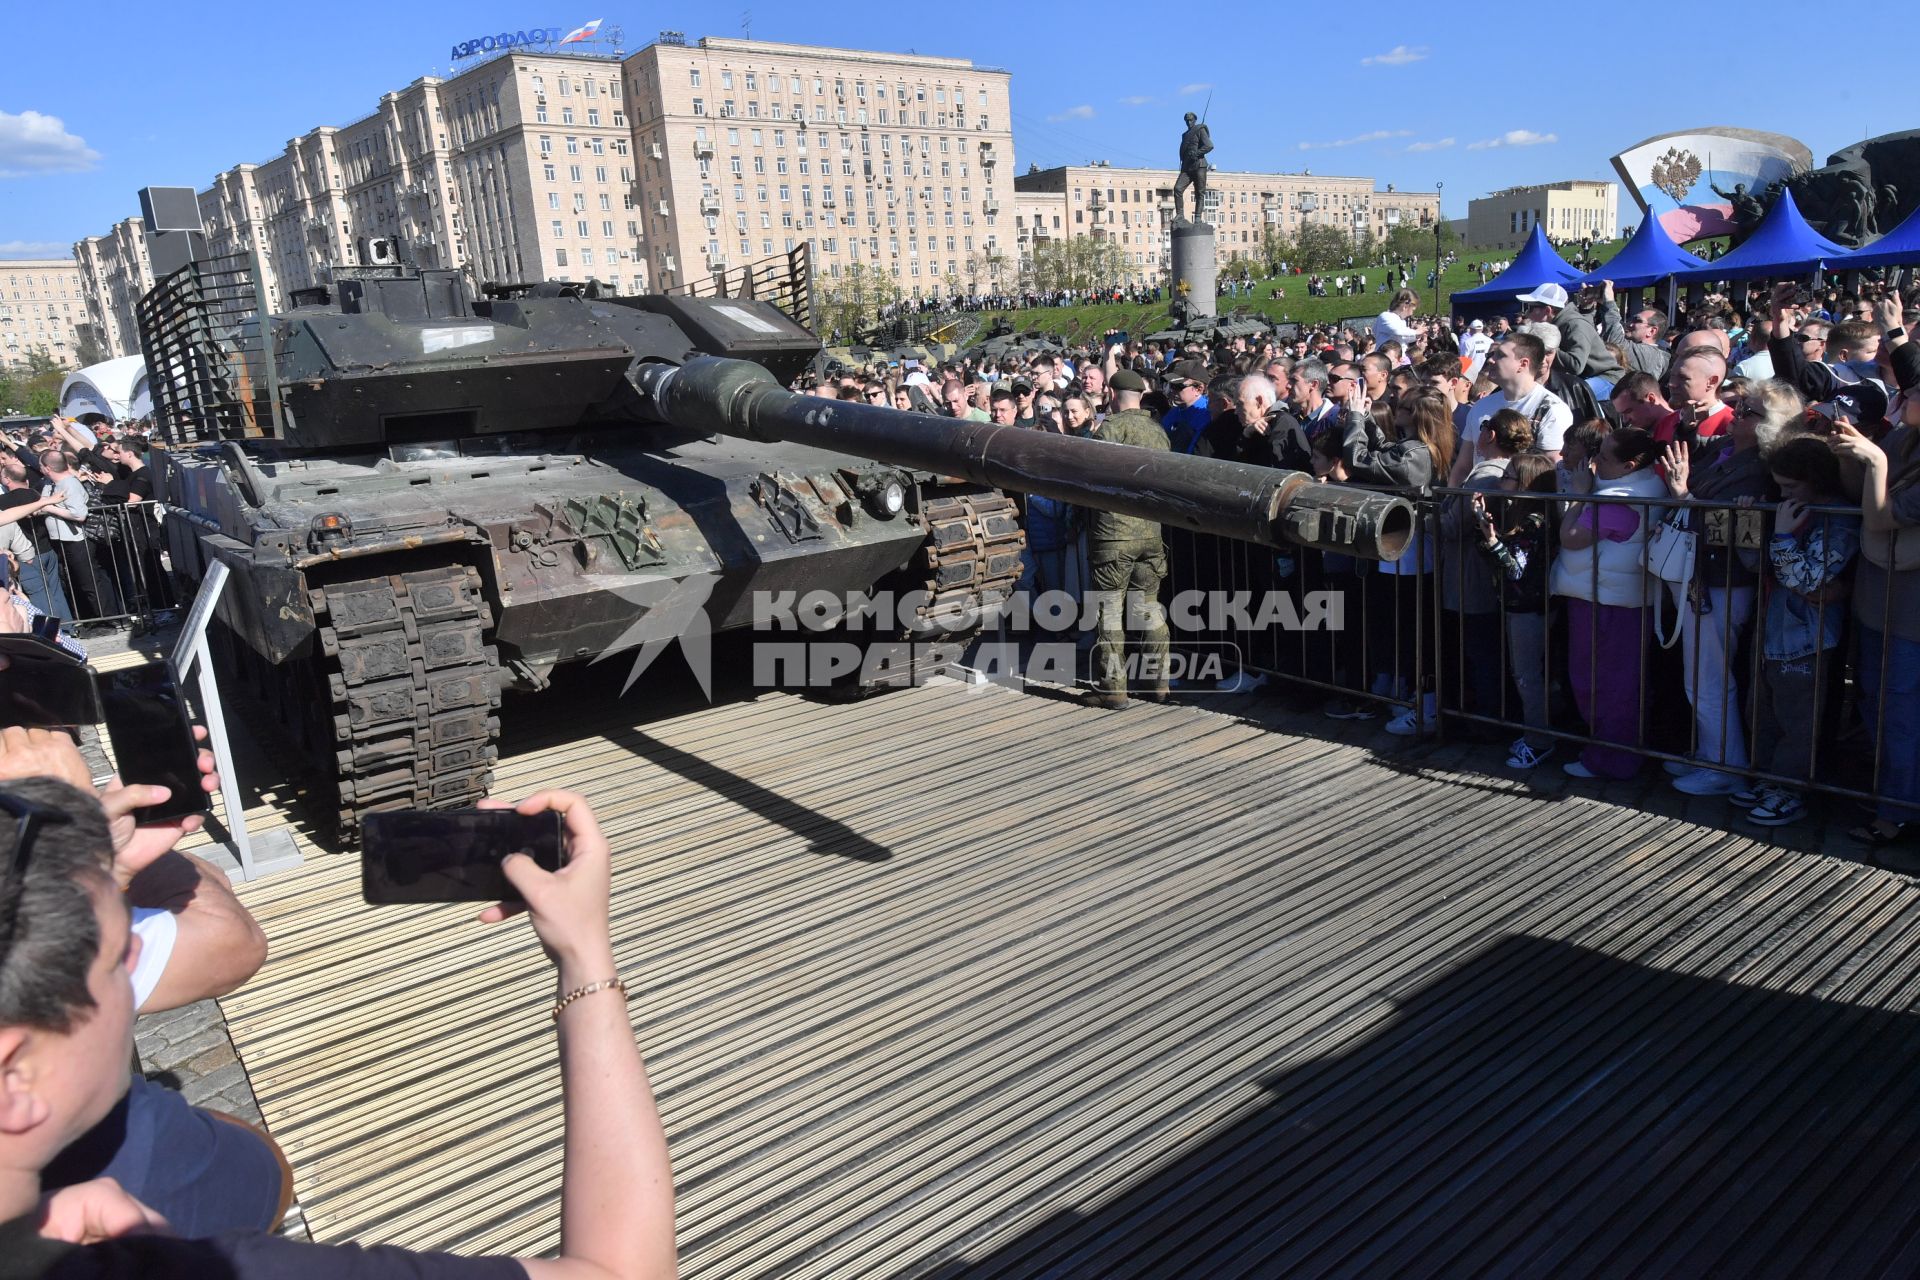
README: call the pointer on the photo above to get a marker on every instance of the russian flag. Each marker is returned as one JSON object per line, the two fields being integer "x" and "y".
{"x": 582, "y": 33}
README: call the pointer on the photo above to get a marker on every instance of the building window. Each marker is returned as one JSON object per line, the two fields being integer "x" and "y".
{"x": 573, "y": 146}
{"x": 695, "y": 73}
{"x": 699, "y": 106}
{"x": 566, "y": 115}
{"x": 553, "y": 199}
{"x": 540, "y": 114}
{"x": 546, "y": 145}
{"x": 593, "y": 115}
{"x": 560, "y": 256}
{"x": 581, "y": 227}
{"x": 726, "y": 79}
{"x": 606, "y": 228}
{"x": 558, "y": 228}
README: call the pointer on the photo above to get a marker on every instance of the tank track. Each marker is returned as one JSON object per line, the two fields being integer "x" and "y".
{"x": 973, "y": 559}
{"x": 412, "y": 687}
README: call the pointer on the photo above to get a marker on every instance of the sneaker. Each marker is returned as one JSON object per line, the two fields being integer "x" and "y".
{"x": 1241, "y": 681}
{"x": 1781, "y": 807}
{"x": 1522, "y": 756}
{"x": 1347, "y": 709}
{"x": 1408, "y": 725}
{"x": 1707, "y": 782}
{"x": 1748, "y": 797}
{"x": 1575, "y": 769}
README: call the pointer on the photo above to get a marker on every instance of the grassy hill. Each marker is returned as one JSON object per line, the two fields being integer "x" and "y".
{"x": 1087, "y": 322}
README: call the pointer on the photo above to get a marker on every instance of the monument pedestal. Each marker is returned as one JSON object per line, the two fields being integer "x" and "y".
{"x": 1193, "y": 280}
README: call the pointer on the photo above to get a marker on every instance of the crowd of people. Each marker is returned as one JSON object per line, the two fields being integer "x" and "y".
{"x": 77, "y": 537}
{"x": 1639, "y": 540}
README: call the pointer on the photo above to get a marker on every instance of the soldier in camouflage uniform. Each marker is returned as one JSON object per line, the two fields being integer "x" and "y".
{"x": 1126, "y": 561}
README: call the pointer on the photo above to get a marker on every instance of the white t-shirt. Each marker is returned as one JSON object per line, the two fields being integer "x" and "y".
{"x": 1388, "y": 326}
{"x": 1549, "y": 413}
{"x": 157, "y": 930}
{"x": 1476, "y": 345}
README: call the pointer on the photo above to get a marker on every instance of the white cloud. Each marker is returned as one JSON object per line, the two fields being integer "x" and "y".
{"x": 1378, "y": 135}
{"x": 1398, "y": 56}
{"x": 1439, "y": 144}
{"x": 1514, "y": 138}
{"x": 1195, "y": 88}
{"x": 35, "y": 143}
{"x": 1081, "y": 112}
{"x": 1137, "y": 100}
{"x": 35, "y": 249}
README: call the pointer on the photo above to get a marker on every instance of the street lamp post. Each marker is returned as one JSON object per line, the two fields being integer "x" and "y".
{"x": 1438, "y": 214}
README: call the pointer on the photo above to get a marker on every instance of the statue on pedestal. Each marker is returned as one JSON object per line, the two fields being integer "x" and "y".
{"x": 1195, "y": 143}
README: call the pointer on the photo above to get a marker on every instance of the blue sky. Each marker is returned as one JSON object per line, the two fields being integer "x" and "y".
{"x": 1476, "y": 96}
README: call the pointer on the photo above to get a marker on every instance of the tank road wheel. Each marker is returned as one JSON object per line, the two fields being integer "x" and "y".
{"x": 411, "y": 686}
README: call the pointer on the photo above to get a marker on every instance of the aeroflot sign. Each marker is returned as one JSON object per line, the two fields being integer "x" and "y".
{"x": 524, "y": 38}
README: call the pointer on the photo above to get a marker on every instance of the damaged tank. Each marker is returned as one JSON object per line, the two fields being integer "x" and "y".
{"x": 428, "y": 499}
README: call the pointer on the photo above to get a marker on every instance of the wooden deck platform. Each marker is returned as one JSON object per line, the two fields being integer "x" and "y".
{"x": 961, "y": 982}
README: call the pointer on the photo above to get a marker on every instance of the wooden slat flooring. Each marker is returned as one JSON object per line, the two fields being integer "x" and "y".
{"x": 959, "y": 982}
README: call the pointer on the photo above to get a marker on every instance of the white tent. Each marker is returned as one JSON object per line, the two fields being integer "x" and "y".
{"x": 112, "y": 389}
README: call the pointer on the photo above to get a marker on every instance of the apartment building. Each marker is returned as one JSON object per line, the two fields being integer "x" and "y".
{"x": 1135, "y": 207}
{"x": 114, "y": 273}
{"x": 519, "y": 168}
{"x": 41, "y": 308}
{"x": 748, "y": 148}
{"x": 1568, "y": 211}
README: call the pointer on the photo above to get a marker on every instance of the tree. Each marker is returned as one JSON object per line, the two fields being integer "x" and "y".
{"x": 87, "y": 349}
{"x": 852, "y": 301}
{"x": 1078, "y": 262}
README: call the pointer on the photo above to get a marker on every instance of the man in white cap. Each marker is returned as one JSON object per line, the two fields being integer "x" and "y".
{"x": 1476, "y": 344}
{"x": 1582, "y": 353}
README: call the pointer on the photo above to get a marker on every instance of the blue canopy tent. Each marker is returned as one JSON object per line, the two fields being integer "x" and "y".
{"x": 1782, "y": 245}
{"x": 1899, "y": 247}
{"x": 1536, "y": 264}
{"x": 1650, "y": 257}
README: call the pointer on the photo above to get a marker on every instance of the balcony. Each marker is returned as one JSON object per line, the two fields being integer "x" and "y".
{"x": 703, "y": 150}
{"x": 709, "y": 204}
{"x": 993, "y": 206}
{"x": 716, "y": 264}
{"x": 989, "y": 155}
{"x": 660, "y": 207}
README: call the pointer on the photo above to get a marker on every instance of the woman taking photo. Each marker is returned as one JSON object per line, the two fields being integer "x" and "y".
{"x": 1399, "y": 596}
{"x": 1716, "y": 606}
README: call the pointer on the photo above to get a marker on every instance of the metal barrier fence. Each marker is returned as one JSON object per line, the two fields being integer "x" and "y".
{"x": 1587, "y": 648}
{"x": 112, "y": 569}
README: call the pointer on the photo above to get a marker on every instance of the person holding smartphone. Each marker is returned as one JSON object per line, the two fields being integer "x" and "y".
{"x": 66, "y": 1038}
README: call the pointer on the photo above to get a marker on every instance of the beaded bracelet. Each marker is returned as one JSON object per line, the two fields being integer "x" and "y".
{"x": 588, "y": 990}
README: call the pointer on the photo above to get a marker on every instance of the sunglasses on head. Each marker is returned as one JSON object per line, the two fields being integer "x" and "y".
{"x": 28, "y": 819}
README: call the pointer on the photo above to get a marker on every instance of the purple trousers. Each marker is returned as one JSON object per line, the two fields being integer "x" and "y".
{"x": 1603, "y": 666}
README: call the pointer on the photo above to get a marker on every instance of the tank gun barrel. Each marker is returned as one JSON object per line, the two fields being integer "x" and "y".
{"x": 1208, "y": 495}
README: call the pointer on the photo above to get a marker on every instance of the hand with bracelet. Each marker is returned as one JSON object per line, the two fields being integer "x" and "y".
{"x": 616, "y": 1194}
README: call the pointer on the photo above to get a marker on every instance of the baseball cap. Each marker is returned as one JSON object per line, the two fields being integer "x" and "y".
{"x": 1551, "y": 294}
{"x": 1477, "y": 325}
{"x": 1188, "y": 371}
{"x": 1862, "y": 404}
{"x": 1127, "y": 380}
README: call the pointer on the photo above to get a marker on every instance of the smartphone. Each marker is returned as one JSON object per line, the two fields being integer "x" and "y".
{"x": 451, "y": 855}
{"x": 43, "y": 686}
{"x": 151, "y": 730}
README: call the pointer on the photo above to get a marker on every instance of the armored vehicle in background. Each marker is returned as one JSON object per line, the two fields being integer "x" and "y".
{"x": 427, "y": 498}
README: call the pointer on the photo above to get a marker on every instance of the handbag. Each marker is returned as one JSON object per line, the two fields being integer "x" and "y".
{"x": 1672, "y": 549}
